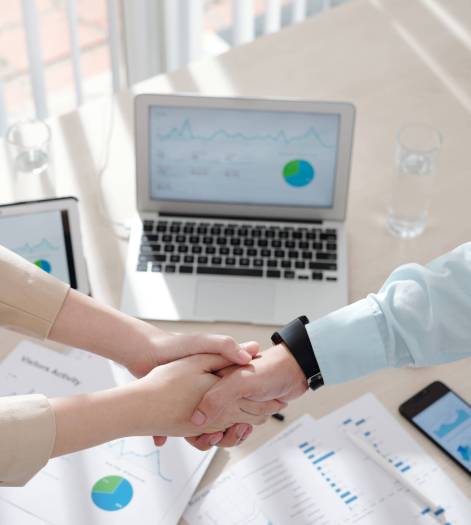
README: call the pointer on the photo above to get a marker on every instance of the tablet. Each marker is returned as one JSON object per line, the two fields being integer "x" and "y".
{"x": 47, "y": 233}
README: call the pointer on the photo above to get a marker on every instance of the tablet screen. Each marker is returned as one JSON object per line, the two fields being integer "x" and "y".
{"x": 42, "y": 238}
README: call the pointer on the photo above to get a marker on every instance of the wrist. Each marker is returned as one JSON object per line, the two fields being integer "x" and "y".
{"x": 290, "y": 362}
{"x": 148, "y": 409}
{"x": 296, "y": 383}
{"x": 294, "y": 335}
{"x": 141, "y": 350}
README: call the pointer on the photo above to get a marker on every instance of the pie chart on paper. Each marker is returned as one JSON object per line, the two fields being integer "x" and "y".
{"x": 112, "y": 493}
{"x": 298, "y": 173}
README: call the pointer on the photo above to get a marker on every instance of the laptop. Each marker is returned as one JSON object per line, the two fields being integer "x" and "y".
{"x": 242, "y": 206}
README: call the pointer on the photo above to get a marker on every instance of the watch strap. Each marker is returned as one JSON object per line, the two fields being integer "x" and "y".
{"x": 294, "y": 335}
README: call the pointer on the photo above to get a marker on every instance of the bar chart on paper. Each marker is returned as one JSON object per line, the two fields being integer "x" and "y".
{"x": 313, "y": 473}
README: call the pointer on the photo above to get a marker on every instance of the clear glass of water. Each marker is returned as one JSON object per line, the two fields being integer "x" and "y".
{"x": 416, "y": 166}
{"x": 29, "y": 142}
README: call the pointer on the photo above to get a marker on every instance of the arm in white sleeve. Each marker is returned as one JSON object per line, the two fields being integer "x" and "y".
{"x": 421, "y": 316}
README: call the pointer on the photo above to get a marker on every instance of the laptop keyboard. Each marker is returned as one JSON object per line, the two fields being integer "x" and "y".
{"x": 238, "y": 249}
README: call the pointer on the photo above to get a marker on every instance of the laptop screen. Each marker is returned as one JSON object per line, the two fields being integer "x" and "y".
{"x": 238, "y": 156}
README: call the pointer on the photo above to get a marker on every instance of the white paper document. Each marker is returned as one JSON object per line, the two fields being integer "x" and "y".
{"x": 313, "y": 474}
{"x": 128, "y": 481}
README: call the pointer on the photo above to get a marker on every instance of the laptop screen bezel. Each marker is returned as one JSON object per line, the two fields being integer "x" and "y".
{"x": 146, "y": 204}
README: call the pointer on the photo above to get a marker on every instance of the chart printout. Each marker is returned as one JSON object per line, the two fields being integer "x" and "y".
{"x": 243, "y": 157}
{"x": 312, "y": 473}
{"x": 122, "y": 482}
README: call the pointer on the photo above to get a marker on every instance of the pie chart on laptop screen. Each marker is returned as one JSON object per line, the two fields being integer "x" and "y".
{"x": 298, "y": 173}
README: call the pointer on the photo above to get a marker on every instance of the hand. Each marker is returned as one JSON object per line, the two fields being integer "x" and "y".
{"x": 137, "y": 345}
{"x": 275, "y": 374}
{"x": 176, "y": 388}
{"x": 159, "y": 347}
{"x": 160, "y": 403}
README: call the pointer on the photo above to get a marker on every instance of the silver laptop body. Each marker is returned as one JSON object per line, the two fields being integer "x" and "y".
{"x": 241, "y": 205}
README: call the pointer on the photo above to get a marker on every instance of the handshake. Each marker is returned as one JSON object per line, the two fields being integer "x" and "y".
{"x": 210, "y": 389}
{"x": 206, "y": 388}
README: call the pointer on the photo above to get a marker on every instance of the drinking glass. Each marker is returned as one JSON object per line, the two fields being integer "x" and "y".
{"x": 29, "y": 142}
{"x": 416, "y": 166}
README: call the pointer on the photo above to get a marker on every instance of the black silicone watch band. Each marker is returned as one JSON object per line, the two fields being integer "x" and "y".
{"x": 295, "y": 336}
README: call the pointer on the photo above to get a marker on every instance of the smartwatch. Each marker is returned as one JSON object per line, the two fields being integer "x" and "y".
{"x": 294, "y": 336}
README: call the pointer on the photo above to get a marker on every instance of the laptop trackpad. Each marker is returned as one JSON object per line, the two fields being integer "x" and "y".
{"x": 237, "y": 301}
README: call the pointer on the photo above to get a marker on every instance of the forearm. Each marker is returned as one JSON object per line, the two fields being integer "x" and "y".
{"x": 85, "y": 323}
{"x": 419, "y": 317}
{"x": 85, "y": 421}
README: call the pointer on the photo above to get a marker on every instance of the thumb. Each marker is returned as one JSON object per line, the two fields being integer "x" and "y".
{"x": 225, "y": 392}
{"x": 212, "y": 362}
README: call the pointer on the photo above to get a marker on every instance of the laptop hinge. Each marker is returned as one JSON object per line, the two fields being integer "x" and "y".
{"x": 240, "y": 218}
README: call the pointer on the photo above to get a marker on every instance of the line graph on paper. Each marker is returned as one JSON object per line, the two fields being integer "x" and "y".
{"x": 227, "y": 502}
{"x": 142, "y": 453}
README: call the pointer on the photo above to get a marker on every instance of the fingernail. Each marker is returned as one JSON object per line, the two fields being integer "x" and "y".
{"x": 198, "y": 418}
{"x": 241, "y": 430}
{"x": 214, "y": 440}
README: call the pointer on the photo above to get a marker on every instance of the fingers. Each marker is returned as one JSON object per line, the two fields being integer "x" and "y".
{"x": 199, "y": 442}
{"x": 235, "y": 435}
{"x": 221, "y": 395}
{"x": 159, "y": 441}
{"x": 213, "y": 362}
{"x": 223, "y": 345}
{"x": 232, "y": 437}
{"x": 252, "y": 347}
{"x": 267, "y": 408}
{"x": 205, "y": 441}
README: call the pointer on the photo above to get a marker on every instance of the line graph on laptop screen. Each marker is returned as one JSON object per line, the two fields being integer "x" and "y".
{"x": 243, "y": 156}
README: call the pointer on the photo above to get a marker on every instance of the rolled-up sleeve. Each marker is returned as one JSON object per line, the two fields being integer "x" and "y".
{"x": 27, "y": 434}
{"x": 30, "y": 298}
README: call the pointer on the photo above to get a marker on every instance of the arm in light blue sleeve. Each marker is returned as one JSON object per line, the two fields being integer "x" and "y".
{"x": 421, "y": 316}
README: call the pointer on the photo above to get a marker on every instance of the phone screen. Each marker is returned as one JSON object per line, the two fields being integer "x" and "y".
{"x": 448, "y": 422}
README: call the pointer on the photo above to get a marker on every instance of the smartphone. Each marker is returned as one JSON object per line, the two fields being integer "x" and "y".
{"x": 445, "y": 418}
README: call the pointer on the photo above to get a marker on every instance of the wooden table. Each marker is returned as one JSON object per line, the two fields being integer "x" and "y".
{"x": 398, "y": 61}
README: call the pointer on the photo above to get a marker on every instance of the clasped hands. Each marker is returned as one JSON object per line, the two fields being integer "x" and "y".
{"x": 206, "y": 388}
{"x": 209, "y": 389}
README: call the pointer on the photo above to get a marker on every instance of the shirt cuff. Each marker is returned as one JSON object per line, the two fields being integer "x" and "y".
{"x": 30, "y": 298}
{"x": 27, "y": 436}
{"x": 347, "y": 343}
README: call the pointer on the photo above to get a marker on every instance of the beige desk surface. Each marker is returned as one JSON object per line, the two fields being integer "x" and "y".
{"x": 398, "y": 61}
